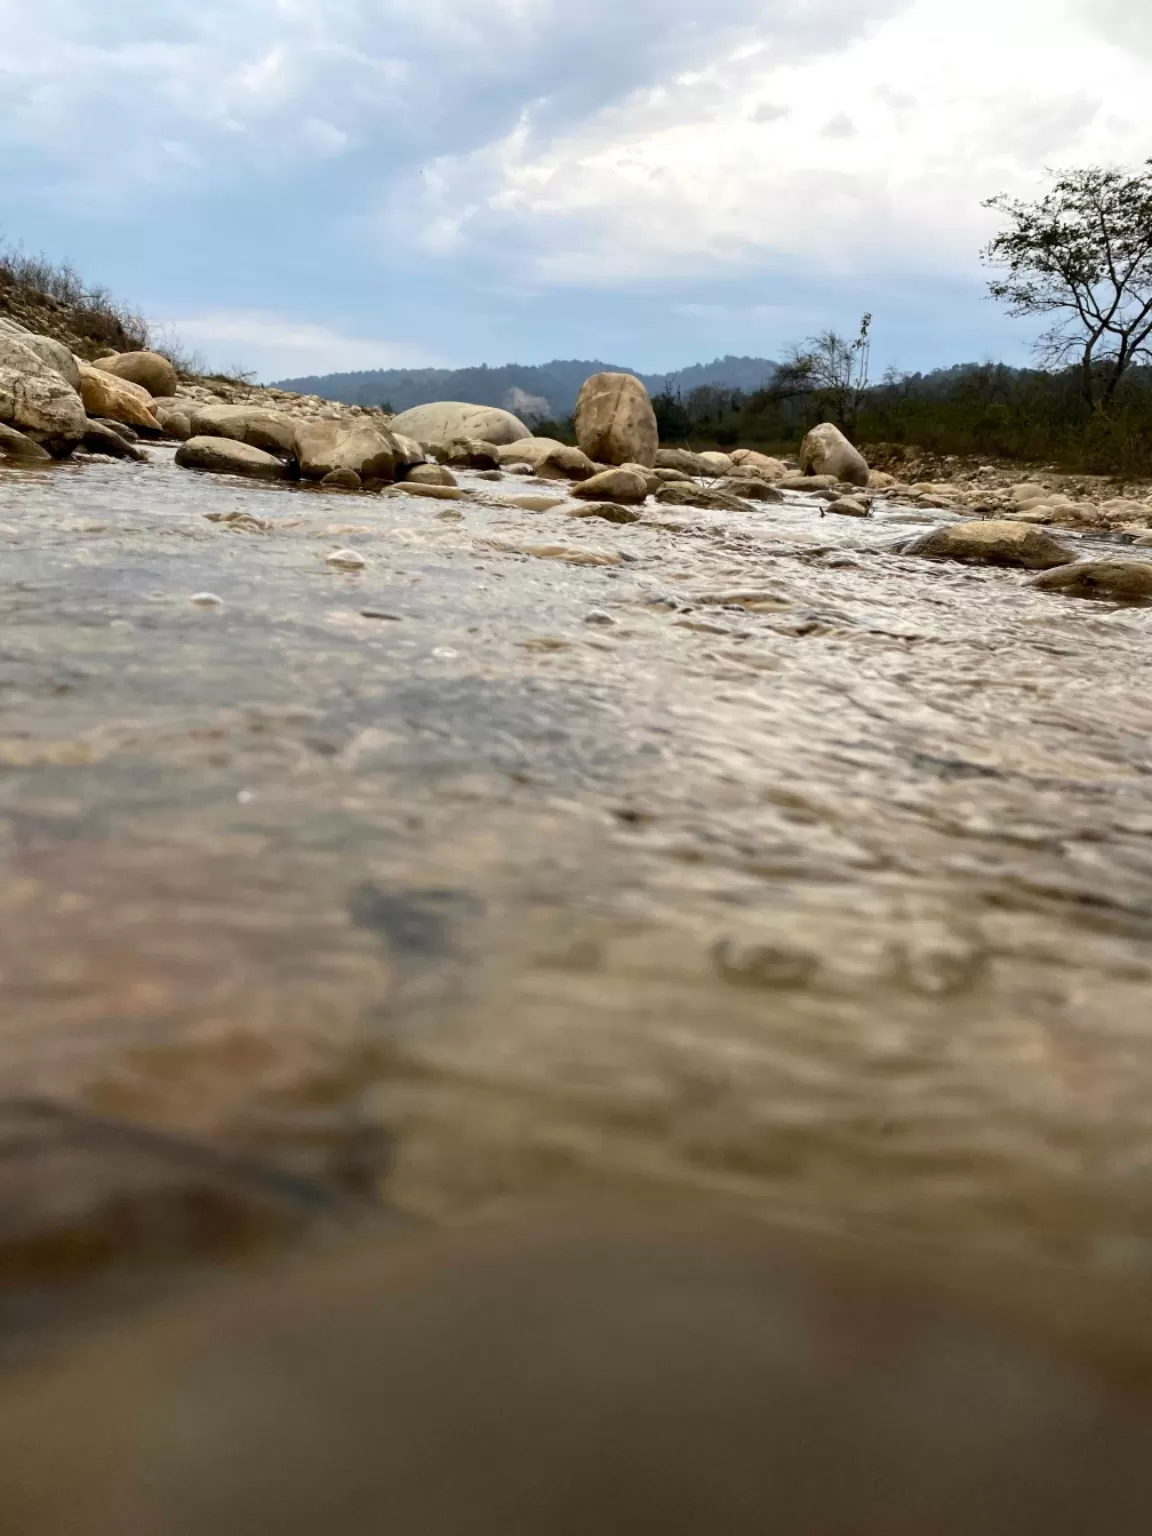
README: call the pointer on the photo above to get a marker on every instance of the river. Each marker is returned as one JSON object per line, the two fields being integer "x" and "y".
{"x": 732, "y": 853}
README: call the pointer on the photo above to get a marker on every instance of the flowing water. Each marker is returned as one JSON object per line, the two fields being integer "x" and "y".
{"x": 732, "y": 853}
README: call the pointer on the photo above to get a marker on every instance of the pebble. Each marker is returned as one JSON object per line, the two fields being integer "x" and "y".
{"x": 207, "y": 600}
{"x": 347, "y": 559}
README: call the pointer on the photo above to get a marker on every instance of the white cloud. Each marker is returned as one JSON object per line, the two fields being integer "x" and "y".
{"x": 940, "y": 107}
{"x": 279, "y": 348}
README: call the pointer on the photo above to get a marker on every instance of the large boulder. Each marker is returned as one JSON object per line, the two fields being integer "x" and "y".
{"x": 718, "y": 463}
{"x": 148, "y": 369}
{"x": 322, "y": 446}
{"x": 408, "y": 451}
{"x": 994, "y": 542}
{"x": 250, "y": 424}
{"x": 447, "y": 420}
{"x": 615, "y": 422}
{"x": 105, "y": 394}
{"x": 56, "y": 355}
{"x": 750, "y": 486}
{"x": 826, "y": 451}
{"x": 224, "y": 456}
{"x": 623, "y": 485}
{"x": 37, "y": 400}
{"x": 1117, "y": 581}
{"x": 102, "y": 437}
{"x": 429, "y": 474}
{"x": 469, "y": 453}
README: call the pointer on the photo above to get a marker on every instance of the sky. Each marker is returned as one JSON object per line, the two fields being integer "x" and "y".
{"x": 303, "y": 186}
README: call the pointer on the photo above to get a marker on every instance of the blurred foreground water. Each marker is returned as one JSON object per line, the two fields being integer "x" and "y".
{"x": 734, "y": 855}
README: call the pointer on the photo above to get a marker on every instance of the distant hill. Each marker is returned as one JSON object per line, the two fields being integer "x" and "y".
{"x": 546, "y": 391}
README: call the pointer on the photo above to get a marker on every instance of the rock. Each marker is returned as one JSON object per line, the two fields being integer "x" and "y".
{"x": 322, "y": 446}
{"x": 429, "y": 474}
{"x": 677, "y": 494}
{"x": 996, "y": 542}
{"x": 651, "y": 479}
{"x": 175, "y": 424}
{"x": 565, "y": 463}
{"x": 748, "y": 486}
{"x": 448, "y": 420}
{"x": 225, "y": 456}
{"x": 489, "y": 474}
{"x": 536, "y": 503}
{"x": 106, "y": 394}
{"x": 15, "y": 445}
{"x": 527, "y": 450}
{"x": 609, "y": 511}
{"x": 718, "y": 463}
{"x": 622, "y": 485}
{"x": 766, "y": 466}
{"x": 826, "y": 451}
{"x": 206, "y": 600}
{"x": 794, "y": 482}
{"x": 408, "y": 451}
{"x": 848, "y": 506}
{"x": 470, "y": 453}
{"x": 615, "y": 422}
{"x": 57, "y": 356}
{"x": 880, "y": 480}
{"x": 37, "y": 400}
{"x": 346, "y": 559}
{"x": 684, "y": 461}
{"x": 666, "y": 476}
{"x": 1121, "y": 581}
{"x": 121, "y": 428}
{"x": 432, "y": 492}
{"x": 250, "y": 424}
{"x": 103, "y": 438}
{"x": 342, "y": 480}
{"x": 148, "y": 369}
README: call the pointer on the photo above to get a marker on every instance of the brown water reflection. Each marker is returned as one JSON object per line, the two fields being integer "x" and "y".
{"x": 738, "y": 854}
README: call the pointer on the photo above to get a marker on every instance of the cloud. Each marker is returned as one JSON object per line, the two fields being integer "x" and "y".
{"x": 278, "y": 348}
{"x": 840, "y": 127}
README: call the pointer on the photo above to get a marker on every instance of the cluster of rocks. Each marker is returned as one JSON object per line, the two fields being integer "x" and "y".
{"x": 53, "y": 404}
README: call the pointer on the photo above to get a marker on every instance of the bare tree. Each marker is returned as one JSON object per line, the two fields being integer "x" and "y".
{"x": 831, "y": 369}
{"x": 1083, "y": 254}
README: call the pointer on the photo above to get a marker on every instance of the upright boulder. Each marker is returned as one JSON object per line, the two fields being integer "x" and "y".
{"x": 324, "y": 446}
{"x": 148, "y": 369}
{"x": 448, "y": 420}
{"x": 37, "y": 400}
{"x": 106, "y": 394}
{"x": 615, "y": 422}
{"x": 826, "y": 451}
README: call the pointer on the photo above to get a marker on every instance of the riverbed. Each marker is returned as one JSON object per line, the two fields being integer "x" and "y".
{"x": 731, "y": 853}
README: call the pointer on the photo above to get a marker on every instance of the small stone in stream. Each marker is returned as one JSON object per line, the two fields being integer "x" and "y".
{"x": 750, "y": 487}
{"x": 763, "y": 965}
{"x": 536, "y": 503}
{"x": 449, "y": 515}
{"x": 347, "y": 559}
{"x": 611, "y": 512}
{"x": 380, "y": 613}
{"x": 598, "y": 616}
{"x": 207, "y": 600}
{"x": 676, "y": 494}
{"x": 1120, "y": 581}
{"x": 100, "y": 438}
{"x": 622, "y": 485}
{"x": 223, "y": 456}
{"x": 470, "y": 453}
{"x": 797, "y": 482}
{"x": 848, "y": 506}
{"x": 429, "y": 474}
{"x": 342, "y": 480}
{"x": 489, "y": 474}
{"x": 995, "y": 542}
{"x": 431, "y": 492}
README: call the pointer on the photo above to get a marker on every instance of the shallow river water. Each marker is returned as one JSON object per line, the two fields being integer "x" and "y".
{"x": 732, "y": 853}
